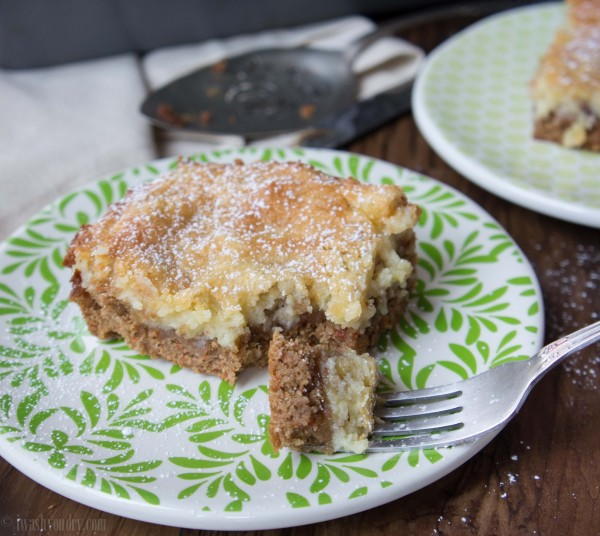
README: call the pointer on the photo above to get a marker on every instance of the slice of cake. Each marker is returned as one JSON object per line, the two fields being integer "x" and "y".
{"x": 566, "y": 89}
{"x": 321, "y": 396}
{"x": 201, "y": 265}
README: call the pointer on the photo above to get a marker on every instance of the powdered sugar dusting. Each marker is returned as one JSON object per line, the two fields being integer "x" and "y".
{"x": 202, "y": 216}
{"x": 573, "y": 285}
{"x": 232, "y": 236}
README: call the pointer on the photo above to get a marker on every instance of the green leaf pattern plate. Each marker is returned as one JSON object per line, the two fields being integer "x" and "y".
{"x": 101, "y": 424}
{"x": 472, "y": 104}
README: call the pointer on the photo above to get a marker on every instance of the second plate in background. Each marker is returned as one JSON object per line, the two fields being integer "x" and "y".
{"x": 472, "y": 104}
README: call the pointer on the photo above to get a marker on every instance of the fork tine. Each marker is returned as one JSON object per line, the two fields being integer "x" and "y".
{"x": 424, "y": 440}
{"x": 421, "y": 395}
{"x": 422, "y": 424}
{"x": 419, "y": 410}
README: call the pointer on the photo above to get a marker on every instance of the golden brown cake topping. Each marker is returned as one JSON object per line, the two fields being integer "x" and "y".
{"x": 210, "y": 248}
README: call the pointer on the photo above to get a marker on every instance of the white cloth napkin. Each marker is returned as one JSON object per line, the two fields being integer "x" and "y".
{"x": 386, "y": 64}
{"x": 63, "y": 126}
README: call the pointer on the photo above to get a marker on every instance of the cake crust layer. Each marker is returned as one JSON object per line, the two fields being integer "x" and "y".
{"x": 113, "y": 319}
{"x": 553, "y": 128}
{"x": 300, "y": 416}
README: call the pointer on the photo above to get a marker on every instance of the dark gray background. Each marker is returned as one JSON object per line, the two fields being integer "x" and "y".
{"x": 37, "y": 33}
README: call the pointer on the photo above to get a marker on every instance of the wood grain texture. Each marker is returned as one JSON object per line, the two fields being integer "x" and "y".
{"x": 540, "y": 476}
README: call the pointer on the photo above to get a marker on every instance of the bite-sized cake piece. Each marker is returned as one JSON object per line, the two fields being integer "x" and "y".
{"x": 200, "y": 265}
{"x": 566, "y": 89}
{"x": 321, "y": 395}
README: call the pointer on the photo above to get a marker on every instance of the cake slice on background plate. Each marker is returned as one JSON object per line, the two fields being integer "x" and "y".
{"x": 566, "y": 88}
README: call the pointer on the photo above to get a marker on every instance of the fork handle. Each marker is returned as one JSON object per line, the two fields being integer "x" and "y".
{"x": 556, "y": 351}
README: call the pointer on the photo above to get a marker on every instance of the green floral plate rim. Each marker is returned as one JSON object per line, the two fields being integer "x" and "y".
{"x": 107, "y": 427}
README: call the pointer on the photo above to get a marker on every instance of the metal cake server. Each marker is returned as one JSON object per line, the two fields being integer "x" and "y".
{"x": 279, "y": 90}
{"x": 262, "y": 93}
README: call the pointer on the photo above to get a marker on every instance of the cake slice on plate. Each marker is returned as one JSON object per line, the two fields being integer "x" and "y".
{"x": 201, "y": 265}
{"x": 566, "y": 88}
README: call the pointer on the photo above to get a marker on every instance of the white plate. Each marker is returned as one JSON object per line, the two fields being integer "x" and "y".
{"x": 104, "y": 426}
{"x": 471, "y": 103}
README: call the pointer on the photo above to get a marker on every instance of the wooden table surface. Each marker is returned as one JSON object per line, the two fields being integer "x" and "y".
{"x": 552, "y": 447}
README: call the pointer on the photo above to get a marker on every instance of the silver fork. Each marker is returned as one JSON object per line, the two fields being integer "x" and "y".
{"x": 465, "y": 411}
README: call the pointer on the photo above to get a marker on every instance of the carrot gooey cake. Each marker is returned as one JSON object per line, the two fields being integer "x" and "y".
{"x": 201, "y": 265}
{"x": 566, "y": 88}
{"x": 321, "y": 396}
